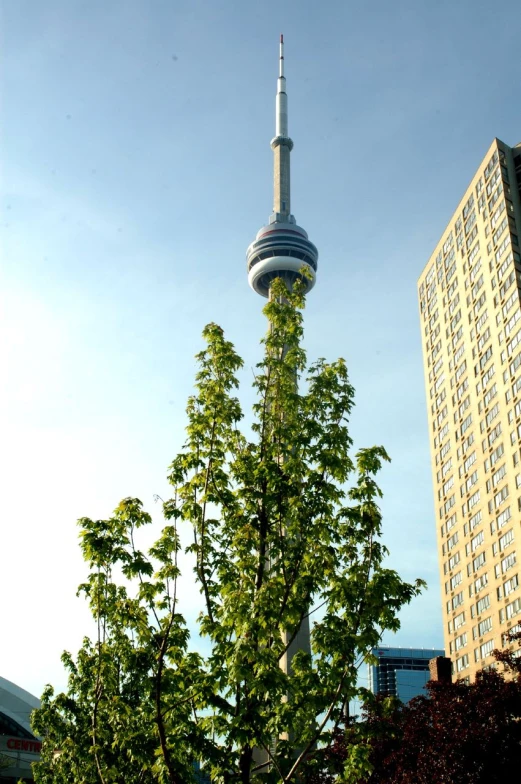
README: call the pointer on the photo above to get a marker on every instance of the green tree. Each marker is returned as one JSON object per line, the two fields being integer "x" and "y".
{"x": 5, "y": 762}
{"x": 283, "y": 521}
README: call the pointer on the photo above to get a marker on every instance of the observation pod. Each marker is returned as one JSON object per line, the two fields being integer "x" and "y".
{"x": 281, "y": 250}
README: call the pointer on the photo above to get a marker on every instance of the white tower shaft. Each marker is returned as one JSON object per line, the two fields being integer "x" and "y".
{"x": 280, "y": 250}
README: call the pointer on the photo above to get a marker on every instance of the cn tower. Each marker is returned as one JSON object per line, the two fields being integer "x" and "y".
{"x": 281, "y": 249}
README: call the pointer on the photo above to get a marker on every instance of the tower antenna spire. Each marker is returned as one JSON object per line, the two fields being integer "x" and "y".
{"x": 281, "y": 110}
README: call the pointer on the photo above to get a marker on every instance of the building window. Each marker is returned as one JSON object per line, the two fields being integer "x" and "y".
{"x": 459, "y": 620}
{"x": 477, "y": 563}
{"x": 462, "y": 663}
{"x": 485, "y": 626}
{"x": 477, "y": 541}
{"x": 483, "y": 604}
{"x": 506, "y": 563}
{"x": 510, "y": 610}
{"x": 510, "y": 585}
{"x": 506, "y": 539}
{"x": 503, "y": 518}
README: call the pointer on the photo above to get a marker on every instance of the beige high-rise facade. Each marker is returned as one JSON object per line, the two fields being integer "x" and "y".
{"x": 470, "y": 312}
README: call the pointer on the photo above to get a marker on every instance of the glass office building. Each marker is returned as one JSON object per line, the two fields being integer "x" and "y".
{"x": 401, "y": 672}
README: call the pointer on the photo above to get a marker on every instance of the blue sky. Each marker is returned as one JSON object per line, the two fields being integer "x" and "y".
{"x": 136, "y": 169}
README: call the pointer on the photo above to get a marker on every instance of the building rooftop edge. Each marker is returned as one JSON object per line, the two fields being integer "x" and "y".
{"x": 493, "y": 143}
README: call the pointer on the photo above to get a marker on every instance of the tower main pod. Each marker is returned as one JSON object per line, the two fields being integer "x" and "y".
{"x": 281, "y": 248}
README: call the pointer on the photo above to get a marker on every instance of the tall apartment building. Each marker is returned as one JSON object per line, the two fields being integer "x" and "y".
{"x": 470, "y": 311}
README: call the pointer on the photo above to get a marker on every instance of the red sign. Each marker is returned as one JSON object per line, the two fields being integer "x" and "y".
{"x": 23, "y": 744}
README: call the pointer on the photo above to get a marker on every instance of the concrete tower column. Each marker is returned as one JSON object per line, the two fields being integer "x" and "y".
{"x": 281, "y": 176}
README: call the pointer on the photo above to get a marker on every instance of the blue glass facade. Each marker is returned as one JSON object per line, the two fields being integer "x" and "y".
{"x": 401, "y": 672}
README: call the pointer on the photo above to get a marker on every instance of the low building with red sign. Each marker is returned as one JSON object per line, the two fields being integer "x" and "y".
{"x": 18, "y": 745}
